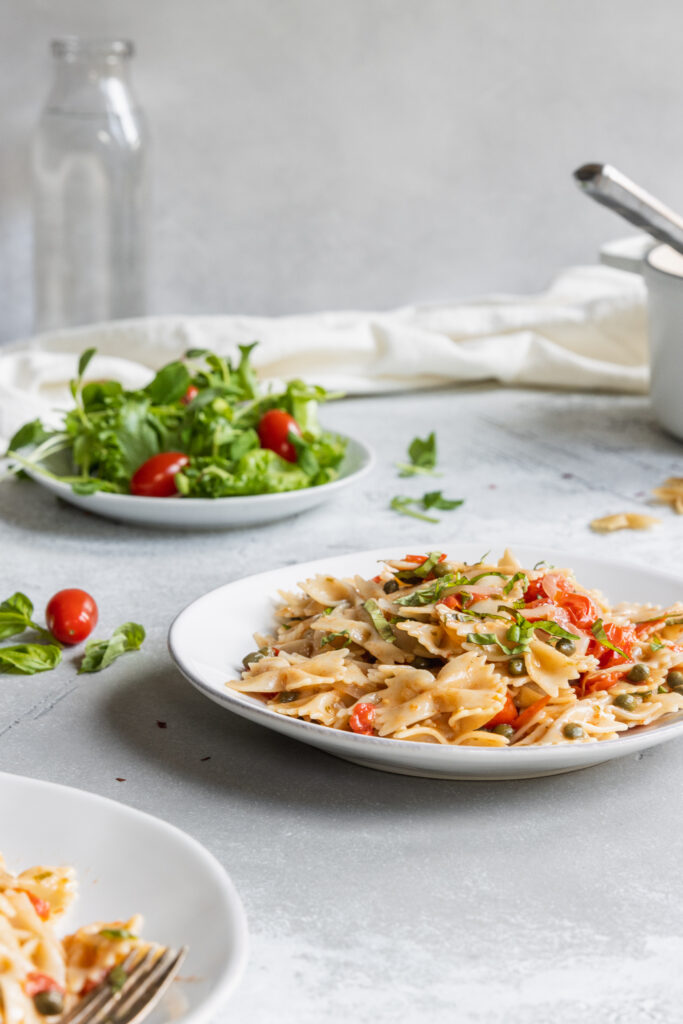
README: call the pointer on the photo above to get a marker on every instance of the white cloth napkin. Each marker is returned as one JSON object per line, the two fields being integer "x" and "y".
{"x": 586, "y": 331}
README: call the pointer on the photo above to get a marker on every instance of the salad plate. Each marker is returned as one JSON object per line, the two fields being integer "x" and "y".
{"x": 128, "y": 862}
{"x": 213, "y": 513}
{"x": 211, "y": 636}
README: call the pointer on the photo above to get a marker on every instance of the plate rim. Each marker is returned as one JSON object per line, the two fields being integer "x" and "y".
{"x": 234, "y": 701}
{"x": 232, "y": 974}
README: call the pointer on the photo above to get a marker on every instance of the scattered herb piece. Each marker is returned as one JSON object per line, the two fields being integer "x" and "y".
{"x": 117, "y": 933}
{"x": 329, "y": 638}
{"x": 27, "y": 659}
{"x": 15, "y": 617}
{"x": 656, "y": 644}
{"x": 519, "y": 577}
{"x": 402, "y": 506}
{"x": 423, "y": 570}
{"x": 379, "y": 622}
{"x": 598, "y": 631}
{"x": 99, "y": 654}
{"x": 422, "y": 455}
{"x": 435, "y": 499}
{"x": 431, "y": 593}
{"x": 117, "y": 978}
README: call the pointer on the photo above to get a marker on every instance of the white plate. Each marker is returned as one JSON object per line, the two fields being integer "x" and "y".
{"x": 215, "y": 513}
{"x": 129, "y": 862}
{"x": 211, "y": 636}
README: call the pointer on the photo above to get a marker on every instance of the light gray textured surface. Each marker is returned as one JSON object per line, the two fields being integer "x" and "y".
{"x": 368, "y": 153}
{"x": 371, "y": 897}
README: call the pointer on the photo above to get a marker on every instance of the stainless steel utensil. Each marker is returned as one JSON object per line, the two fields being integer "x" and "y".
{"x": 147, "y": 978}
{"x": 607, "y": 185}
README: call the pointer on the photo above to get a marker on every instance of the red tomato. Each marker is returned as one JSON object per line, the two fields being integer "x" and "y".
{"x": 623, "y": 637}
{"x": 362, "y": 718}
{"x": 421, "y": 559}
{"x": 156, "y": 477}
{"x": 71, "y": 616}
{"x": 580, "y": 609}
{"x": 36, "y": 982}
{"x": 600, "y": 681}
{"x": 506, "y": 716}
{"x": 189, "y": 395}
{"x": 274, "y": 430}
{"x": 41, "y": 908}
{"x": 553, "y": 585}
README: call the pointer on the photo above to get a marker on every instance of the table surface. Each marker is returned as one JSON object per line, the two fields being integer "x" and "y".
{"x": 374, "y": 897}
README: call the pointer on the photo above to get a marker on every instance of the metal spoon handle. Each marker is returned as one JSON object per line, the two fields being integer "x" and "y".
{"x": 608, "y": 186}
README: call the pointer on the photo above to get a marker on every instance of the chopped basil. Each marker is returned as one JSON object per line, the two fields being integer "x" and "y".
{"x": 422, "y": 455}
{"x": 117, "y": 978}
{"x": 435, "y": 499}
{"x": 117, "y": 933}
{"x": 598, "y": 631}
{"x": 426, "y": 567}
{"x": 552, "y": 627}
{"x": 656, "y": 644}
{"x": 517, "y": 578}
{"x": 379, "y": 622}
{"x": 430, "y": 593}
{"x": 483, "y": 639}
{"x": 329, "y": 637}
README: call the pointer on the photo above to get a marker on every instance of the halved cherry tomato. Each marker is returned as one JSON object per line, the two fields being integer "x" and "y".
{"x": 92, "y": 983}
{"x": 420, "y": 559}
{"x": 452, "y": 601}
{"x": 362, "y": 718}
{"x": 525, "y": 716}
{"x": 551, "y": 586}
{"x": 156, "y": 477}
{"x": 36, "y": 982}
{"x": 506, "y": 716}
{"x": 189, "y": 395}
{"x": 71, "y": 615}
{"x": 582, "y": 611}
{"x": 41, "y": 907}
{"x": 623, "y": 637}
{"x": 599, "y": 681}
{"x": 274, "y": 429}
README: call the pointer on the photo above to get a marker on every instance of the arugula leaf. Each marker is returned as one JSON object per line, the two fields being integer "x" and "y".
{"x": 402, "y": 506}
{"x": 99, "y": 654}
{"x": 435, "y": 499}
{"x": 27, "y": 659}
{"x": 170, "y": 384}
{"x": 598, "y": 631}
{"x": 422, "y": 455}
{"x": 15, "y": 617}
{"x": 379, "y": 622}
{"x": 329, "y": 637}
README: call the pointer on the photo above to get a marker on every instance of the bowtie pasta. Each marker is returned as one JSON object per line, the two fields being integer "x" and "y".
{"x": 439, "y": 651}
{"x": 42, "y": 975}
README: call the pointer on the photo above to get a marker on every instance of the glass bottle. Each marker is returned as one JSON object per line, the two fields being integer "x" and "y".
{"x": 89, "y": 193}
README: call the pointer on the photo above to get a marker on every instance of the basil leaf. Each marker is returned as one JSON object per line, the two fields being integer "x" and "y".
{"x": 84, "y": 360}
{"x": 329, "y": 637}
{"x": 169, "y": 385}
{"x": 402, "y": 506}
{"x": 429, "y": 594}
{"x": 15, "y": 617}
{"x": 426, "y": 567}
{"x": 519, "y": 576}
{"x": 27, "y": 659}
{"x": 99, "y": 654}
{"x": 598, "y": 631}
{"x": 422, "y": 455}
{"x": 552, "y": 627}
{"x": 117, "y": 933}
{"x": 379, "y": 622}
{"x": 435, "y": 499}
{"x": 656, "y": 644}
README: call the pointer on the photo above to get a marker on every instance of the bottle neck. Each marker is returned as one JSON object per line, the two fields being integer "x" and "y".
{"x": 89, "y": 76}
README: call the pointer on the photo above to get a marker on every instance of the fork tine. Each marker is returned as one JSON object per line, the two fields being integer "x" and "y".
{"x": 143, "y": 997}
{"x": 102, "y": 998}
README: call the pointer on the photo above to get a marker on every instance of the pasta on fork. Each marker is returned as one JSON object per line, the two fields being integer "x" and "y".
{"x": 487, "y": 654}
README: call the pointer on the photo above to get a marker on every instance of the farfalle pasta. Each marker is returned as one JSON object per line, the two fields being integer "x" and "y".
{"x": 42, "y": 975}
{"x": 487, "y": 654}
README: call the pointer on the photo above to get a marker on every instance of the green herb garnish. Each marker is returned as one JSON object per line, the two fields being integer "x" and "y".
{"x": 379, "y": 622}
{"x": 117, "y": 978}
{"x": 27, "y": 659}
{"x": 598, "y": 631}
{"x": 117, "y": 933}
{"x": 15, "y": 617}
{"x": 656, "y": 643}
{"x": 422, "y": 455}
{"x": 328, "y": 638}
{"x": 435, "y": 499}
{"x": 99, "y": 654}
{"x": 402, "y": 505}
{"x": 519, "y": 577}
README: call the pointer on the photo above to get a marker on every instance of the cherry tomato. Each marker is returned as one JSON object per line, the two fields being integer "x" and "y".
{"x": 274, "y": 430}
{"x": 156, "y": 477}
{"x": 189, "y": 395}
{"x": 36, "y": 982}
{"x": 41, "y": 908}
{"x": 71, "y": 616}
{"x": 581, "y": 610}
{"x": 623, "y": 637}
{"x": 506, "y": 716}
{"x": 362, "y": 718}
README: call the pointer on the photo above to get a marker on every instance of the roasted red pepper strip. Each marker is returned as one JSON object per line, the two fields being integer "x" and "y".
{"x": 41, "y": 908}
{"x": 506, "y": 716}
{"x": 525, "y": 716}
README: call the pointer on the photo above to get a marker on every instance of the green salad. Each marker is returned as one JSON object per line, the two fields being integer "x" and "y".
{"x": 202, "y": 428}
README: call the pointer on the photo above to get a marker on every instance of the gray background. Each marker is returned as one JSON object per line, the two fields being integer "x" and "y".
{"x": 366, "y": 153}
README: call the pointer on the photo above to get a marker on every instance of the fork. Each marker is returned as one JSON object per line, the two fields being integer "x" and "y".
{"x": 147, "y": 978}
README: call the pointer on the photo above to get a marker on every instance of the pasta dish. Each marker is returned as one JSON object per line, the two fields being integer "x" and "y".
{"x": 42, "y": 975}
{"x": 487, "y": 654}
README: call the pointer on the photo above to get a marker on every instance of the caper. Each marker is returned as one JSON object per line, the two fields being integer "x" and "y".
{"x": 625, "y": 701}
{"x": 638, "y": 674}
{"x": 287, "y": 696}
{"x": 428, "y": 663}
{"x": 565, "y": 646}
{"x": 674, "y": 678}
{"x": 390, "y": 587}
{"x": 662, "y": 689}
{"x": 573, "y": 731}
{"x": 250, "y": 659}
{"x": 442, "y": 569}
{"x": 504, "y": 730}
{"x": 516, "y": 667}
{"x": 49, "y": 1002}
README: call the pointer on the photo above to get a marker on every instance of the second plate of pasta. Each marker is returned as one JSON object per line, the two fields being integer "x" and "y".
{"x": 448, "y": 664}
